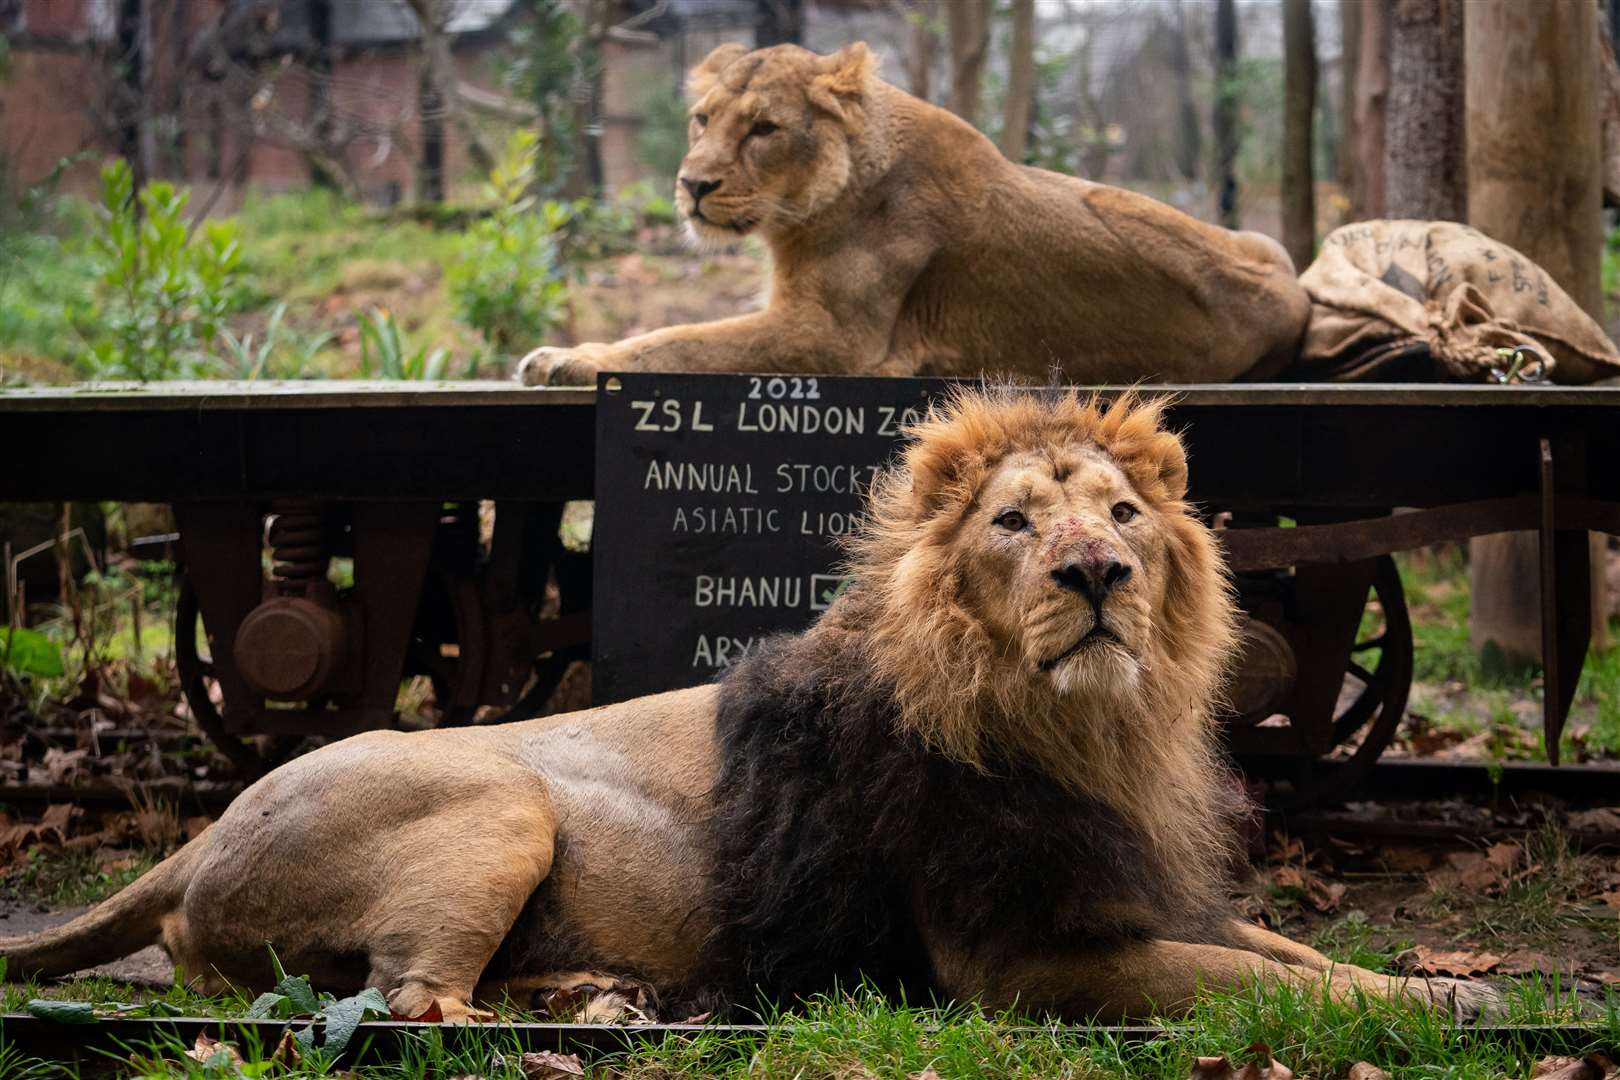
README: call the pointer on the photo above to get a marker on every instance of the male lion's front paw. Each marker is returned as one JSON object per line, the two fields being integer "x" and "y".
{"x": 1468, "y": 1001}
{"x": 550, "y": 366}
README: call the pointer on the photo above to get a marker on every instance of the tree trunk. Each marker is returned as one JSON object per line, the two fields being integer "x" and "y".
{"x": 924, "y": 45}
{"x": 779, "y": 22}
{"x": 1425, "y": 164}
{"x": 1534, "y": 183}
{"x": 1189, "y": 137}
{"x": 968, "y": 23}
{"x": 1349, "y": 61}
{"x": 1020, "y": 82}
{"x": 1226, "y": 106}
{"x": 440, "y": 67}
{"x": 320, "y": 89}
{"x": 1372, "y": 97}
{"x": 1299, "y": 107}
{"x": 430, "y": 140}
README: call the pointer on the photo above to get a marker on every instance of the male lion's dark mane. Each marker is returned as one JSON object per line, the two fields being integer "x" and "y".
{"x": 833, "y": 834}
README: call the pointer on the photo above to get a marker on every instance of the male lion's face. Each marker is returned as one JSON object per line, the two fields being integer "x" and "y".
{"x": 769, "y": 137}
{"x": 1064, "y": 562}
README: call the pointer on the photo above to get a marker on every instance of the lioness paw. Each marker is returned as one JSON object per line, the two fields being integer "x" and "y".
{"x": 550, "y": 366}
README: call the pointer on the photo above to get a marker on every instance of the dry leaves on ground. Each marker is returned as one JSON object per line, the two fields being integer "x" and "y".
{"x": 546, "y": 1065}
{"x": 1591, "y": 1067}
{"x": 1219, "y": 1068}
{"x": 1362, "y": 1070}
{"x": 1461, "y": 963}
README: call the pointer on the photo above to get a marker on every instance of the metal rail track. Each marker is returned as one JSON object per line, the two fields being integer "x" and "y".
{"x": 108, "y": 1042}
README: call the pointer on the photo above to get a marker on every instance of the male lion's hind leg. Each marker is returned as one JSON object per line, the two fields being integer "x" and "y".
{"x": 431, "y": 942}
{"x": 1166, "y": 976}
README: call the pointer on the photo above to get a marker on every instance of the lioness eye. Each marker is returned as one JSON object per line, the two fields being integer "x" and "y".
{"x": 762, "y": 127}
{"x": 702, "y": 119}
{"x": 1123, "y": 512}
{"x": 1012, "y": 521}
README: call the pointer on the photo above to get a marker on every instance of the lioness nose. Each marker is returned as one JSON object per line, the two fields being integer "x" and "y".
{"x": 1092, "y": 578}
{"x": 699, "y": 188}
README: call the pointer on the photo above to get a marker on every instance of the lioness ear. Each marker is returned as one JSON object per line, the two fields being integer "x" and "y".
{"x": 701, "y": 79}
{"x": 840, "y": 86}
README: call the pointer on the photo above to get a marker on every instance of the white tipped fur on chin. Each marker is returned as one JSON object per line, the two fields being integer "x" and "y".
{"x": 1108, "y": 671}
{"x": 712, "y": 240}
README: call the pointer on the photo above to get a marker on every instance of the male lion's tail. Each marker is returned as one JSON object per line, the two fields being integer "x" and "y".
{"x": 124, "y": 923}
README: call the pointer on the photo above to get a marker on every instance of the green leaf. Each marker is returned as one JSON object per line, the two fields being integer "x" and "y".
{"x": 63, "y": 1012}
{"x": 29, "y": 652}
{"x": 300, "y": 996}
{"x": 266, "y": 1006}
{"x": 343, "y": 1017}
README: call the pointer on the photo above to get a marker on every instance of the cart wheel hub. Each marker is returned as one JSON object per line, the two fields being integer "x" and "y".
{"x": 287, "y": 648}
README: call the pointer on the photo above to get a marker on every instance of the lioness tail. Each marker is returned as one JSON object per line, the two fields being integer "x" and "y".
{"x": 124, "y": 923}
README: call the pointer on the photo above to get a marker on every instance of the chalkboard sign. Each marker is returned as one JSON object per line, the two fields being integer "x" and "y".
{"x": 719, "y": 502}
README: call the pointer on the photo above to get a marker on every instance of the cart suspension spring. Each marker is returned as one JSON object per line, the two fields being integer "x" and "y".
{"x": 297, "y": 540}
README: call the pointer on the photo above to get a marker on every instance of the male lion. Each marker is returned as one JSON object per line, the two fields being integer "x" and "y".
{"x": 986, "y": 771}
{"x": 903, "y": 242}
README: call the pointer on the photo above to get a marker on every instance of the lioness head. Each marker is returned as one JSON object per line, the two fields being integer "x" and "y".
{"x": 1039, "y": 588}
{"x": 769, "y": 135}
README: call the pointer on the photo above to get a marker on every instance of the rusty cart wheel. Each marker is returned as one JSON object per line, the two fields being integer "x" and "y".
{"x": 198, "y": 679}
{"x": 1382, "y": 664}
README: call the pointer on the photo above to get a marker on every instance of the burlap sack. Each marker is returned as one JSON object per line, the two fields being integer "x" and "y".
{"x": 1435, "y": 300}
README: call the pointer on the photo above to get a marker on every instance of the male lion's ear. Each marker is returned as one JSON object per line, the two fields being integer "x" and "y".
{"x": 701, "y": 79}
{"x": 1172, "y": 464}
{"x": 840, "y": 86}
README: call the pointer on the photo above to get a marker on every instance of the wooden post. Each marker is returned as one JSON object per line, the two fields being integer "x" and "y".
{"x": 1226, "y": 109}
{"x": 1349, "y": 63}
{"x": 1535, "y": 183}
{"x": 1299, "y": 108}
{"x": 968, "y": 24}
{"x": 1020, "y": 82}
{"x": 1372, "y": 95}
{"x": 1425, "y": 166}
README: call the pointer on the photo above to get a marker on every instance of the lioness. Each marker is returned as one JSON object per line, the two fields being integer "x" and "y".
{"x": 986, "y": 771}
{"x": 902, "y": 242}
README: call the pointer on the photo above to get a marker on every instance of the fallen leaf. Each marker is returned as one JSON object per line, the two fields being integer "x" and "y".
{"x": 1405, "y": 860}
{"x": 1526, "y": 962}
{"x": 1422, "y": 960}
{"x": 926, "y": 1074}
{"x": 1591, "y": 1067}
{"x": 1603, "y": 819}
{"x": 1362, "y": 1070}
{"x": 63, "y": 765}
{"x": 1218, "y": 1068}
{"x": 211, "y": 1051}
{"x": 546, "y": 1065}
{"x": 58, "y": 817}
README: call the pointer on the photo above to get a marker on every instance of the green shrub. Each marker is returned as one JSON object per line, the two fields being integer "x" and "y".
{"x": 509, "y": 284}
{"x": 384, "y": 355}
{"x": 160, "y": 297}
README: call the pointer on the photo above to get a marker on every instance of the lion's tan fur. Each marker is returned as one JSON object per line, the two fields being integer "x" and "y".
{"x": 1149, "y": 753}
{"x": 903, "y": 242}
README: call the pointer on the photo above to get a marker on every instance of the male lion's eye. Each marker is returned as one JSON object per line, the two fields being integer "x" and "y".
{"x": 1123, "y": 512}
{"x": 762, "y": 127}
{"x": 1012, "y": 521}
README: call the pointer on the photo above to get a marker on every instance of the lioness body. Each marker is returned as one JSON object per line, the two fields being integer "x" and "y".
{"x": 986, "y": 771}
{"x": 903, "y": 242}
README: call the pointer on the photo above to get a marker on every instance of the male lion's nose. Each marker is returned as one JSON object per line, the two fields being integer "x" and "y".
{"x": 1092, "y": 577}
{"x": 699, "y": 188}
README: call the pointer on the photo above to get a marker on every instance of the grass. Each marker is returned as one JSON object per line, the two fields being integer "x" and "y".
{"x": 1356, "y": 940}
{"x": 57, "y": 878}
{"x": 859, "y": 1036}
{"x": 1437, "y": 594}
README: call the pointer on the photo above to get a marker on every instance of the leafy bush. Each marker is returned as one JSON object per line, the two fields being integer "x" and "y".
{"x": 510, "y": 282}
{"x": 281, "y": 353}
{"x": 160, "y": 296}
{"x": 383, "y": 353}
